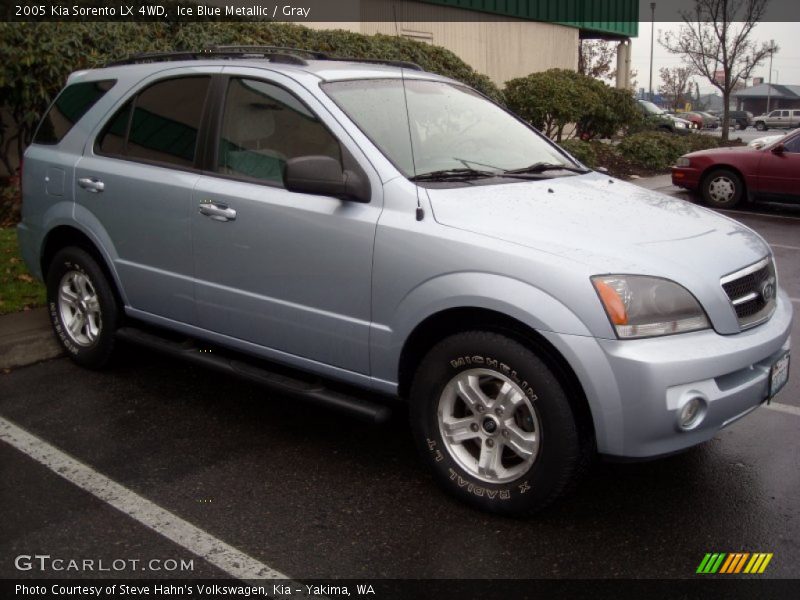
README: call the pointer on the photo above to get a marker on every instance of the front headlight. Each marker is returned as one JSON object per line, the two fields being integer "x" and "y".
{"x": 640, "y": 306}
{"x": 683, "y": 162}
{"x": 680, "y": 125}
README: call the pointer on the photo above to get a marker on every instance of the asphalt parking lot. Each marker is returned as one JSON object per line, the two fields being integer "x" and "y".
{"x": 211, "y": 462}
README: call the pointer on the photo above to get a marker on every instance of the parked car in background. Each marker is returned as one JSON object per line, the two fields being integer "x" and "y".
{"x": 778, "y": 119}
{"x": 740, "y": 119}
{"x": 662, "y": 120}
{"x": 709, "y": 121}
{"x": 695, "y": 119}
{"x": 727, "y": 176}
{"x": 766, "y": 140}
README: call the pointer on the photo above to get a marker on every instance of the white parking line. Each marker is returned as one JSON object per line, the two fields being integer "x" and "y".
{"x": 744, "y": 213}
{"x": 785, "y": 247}
{"x": 784, "y": 408}
{"x": 234, "y": 562}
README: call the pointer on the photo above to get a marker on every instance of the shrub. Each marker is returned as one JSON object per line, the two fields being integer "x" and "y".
{"x": 583, "y": 151}
{"x": 552, "y": 100}
{"x": 701, "y": 142}
{"x": 556, "y": 99}
{"x": 653, "y": 150}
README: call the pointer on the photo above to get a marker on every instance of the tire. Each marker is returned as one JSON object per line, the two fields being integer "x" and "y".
{"x": 722, "y": 188}
{"x": 79, "y": 295}
{"x": 742, "y": 126}
{"x": 761, "y": 126}
{"x": 537, "y": 445}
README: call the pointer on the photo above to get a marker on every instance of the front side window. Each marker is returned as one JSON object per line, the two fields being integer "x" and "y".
{"x": 449, "y": 126}
{"x": 160, "y": 124}
{"x": 263, "y": 126}
{"x": 72, "y": 103}
{"x": 793, "y": 145}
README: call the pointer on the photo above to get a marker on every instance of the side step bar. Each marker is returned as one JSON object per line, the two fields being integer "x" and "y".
{"x": 310, "y": 391}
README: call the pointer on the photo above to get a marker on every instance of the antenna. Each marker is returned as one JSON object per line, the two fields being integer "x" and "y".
{"x": 420, "y": 210}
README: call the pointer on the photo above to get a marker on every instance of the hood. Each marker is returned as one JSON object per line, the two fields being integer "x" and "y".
{"x": 719, "y": 151}
{"x": 605, "y": 223}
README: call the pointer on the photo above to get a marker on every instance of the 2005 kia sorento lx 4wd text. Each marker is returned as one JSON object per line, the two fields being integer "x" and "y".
{"x": 395, "y": 234}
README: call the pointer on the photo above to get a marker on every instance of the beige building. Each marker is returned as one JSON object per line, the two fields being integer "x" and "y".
{"x": 528, "y": 36}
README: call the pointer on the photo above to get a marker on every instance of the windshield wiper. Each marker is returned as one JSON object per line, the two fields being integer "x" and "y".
{"x": 541, "y": 167}
{"x": 452, "y": 175}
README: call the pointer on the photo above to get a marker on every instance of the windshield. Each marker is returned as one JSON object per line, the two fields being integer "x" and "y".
{"x": 452, "y": 127}
{"x": 651, "y": 108}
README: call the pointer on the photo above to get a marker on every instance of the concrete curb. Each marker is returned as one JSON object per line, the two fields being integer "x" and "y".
{"x": 27, "y": 338}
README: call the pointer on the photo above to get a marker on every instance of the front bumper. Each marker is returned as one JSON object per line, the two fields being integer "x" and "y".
{"x": 636, "y": 388}
{"x": 686, "y": 177}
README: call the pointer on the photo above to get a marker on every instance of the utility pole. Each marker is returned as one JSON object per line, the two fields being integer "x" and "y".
{"x": 769, "y": 85}
{"x": 652, "y": 32}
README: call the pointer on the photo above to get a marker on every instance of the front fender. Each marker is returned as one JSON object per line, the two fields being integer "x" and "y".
{"x": 511, "y": 297}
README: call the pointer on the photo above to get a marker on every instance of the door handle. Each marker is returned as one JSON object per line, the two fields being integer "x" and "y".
{"x": 91, "y": 184}
{"x": 217, "y": 211}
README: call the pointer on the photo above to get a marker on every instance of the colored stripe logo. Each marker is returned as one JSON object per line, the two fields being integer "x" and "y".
{"x": 734, "y": 562}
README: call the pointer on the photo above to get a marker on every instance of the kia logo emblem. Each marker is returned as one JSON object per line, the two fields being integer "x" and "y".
{"x": 768, "y": 290}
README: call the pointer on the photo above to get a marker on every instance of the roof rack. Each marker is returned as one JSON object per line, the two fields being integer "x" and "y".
{"x": 279, "y": 54}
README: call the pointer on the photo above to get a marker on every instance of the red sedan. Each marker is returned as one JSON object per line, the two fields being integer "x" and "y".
{"x": 724, "y": 176}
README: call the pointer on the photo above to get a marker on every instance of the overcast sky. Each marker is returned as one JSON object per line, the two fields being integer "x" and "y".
{"x": 785, "y": 64}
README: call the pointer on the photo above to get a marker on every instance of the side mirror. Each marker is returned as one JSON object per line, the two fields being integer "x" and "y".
{"x": 324, "y": 176}
{"x": 778, "y": 148}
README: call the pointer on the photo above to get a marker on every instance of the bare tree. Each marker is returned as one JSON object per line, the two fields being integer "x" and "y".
{"x": 675, "y": 86}
{"x": 715, "y": 42}
{"x": 595, "y": 59}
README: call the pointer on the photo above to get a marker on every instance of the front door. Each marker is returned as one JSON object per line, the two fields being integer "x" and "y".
{"x": 779, "y": 173}
{"x": 287, "y": 271}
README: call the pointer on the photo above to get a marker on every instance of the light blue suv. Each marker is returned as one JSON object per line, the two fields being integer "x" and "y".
{"x": 355, "y": 233}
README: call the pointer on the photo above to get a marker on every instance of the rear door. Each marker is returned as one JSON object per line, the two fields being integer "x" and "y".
{"x": 286, "y": 271}
{"x": 135, "y": 184}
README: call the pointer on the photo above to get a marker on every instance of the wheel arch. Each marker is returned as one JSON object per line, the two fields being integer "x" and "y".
{"x": 63, "y": 236}
{"x": 725, "y": 166}
{"x": 456, "y": 320}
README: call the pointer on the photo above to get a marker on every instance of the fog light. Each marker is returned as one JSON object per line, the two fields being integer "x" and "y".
{"x": 692, "y": 413}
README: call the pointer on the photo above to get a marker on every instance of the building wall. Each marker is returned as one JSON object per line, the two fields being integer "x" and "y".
{"x": 758, "y": 106}
{"x": 500, "y": 47}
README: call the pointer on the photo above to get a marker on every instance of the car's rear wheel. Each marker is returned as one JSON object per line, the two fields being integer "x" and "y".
{"x": 495, "y": 424}
{"x": 761, "y": 126}
{"x": 83, "y": 308}
{"x": 722, "y": 188}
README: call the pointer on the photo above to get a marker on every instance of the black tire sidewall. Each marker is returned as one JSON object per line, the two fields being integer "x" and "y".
{"x": 737, "y": 197}
{"x": 98, "y": 354}
{"x": 560, "y": 443}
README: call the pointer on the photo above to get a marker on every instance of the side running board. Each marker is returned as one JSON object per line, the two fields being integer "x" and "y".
{"x": 311, "y": 391}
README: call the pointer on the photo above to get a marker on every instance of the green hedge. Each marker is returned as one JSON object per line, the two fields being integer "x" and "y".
{"x": 583, "y": 151}
{"x": 658, "y": 150}
{"x": 555, "y": 100}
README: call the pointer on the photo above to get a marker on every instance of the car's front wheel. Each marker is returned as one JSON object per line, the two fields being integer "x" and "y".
{"x": 722, "y": 188}
{"x": 761, "y": 126}
{"x": 83, "y": 308}
{"x": 495, "y": 424}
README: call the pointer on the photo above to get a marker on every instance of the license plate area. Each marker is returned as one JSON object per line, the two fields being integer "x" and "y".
{"x": 778, "y": 375}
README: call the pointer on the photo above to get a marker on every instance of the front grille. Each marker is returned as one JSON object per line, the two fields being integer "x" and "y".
{"x": 752, "y": 292}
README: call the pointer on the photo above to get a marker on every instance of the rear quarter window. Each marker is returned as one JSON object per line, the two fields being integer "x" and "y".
{"x": 71, "y": 104}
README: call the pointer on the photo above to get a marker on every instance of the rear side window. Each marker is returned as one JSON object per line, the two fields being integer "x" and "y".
{"x": 160, "y": 124}
{"x": 72, "y": 103}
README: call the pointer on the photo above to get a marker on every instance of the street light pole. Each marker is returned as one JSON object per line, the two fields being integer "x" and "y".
{"x": 769, "y": 85}
{"x": 652, "y": 32}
